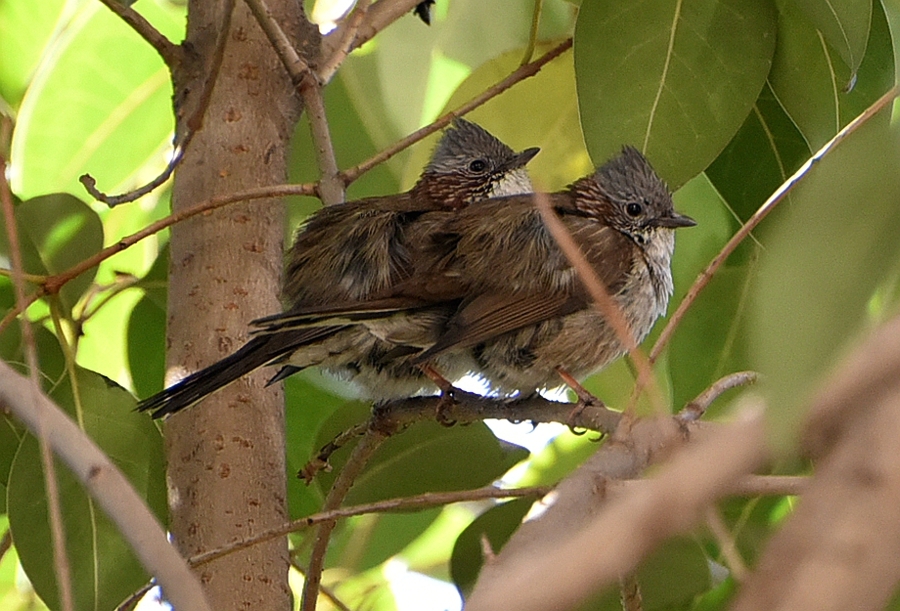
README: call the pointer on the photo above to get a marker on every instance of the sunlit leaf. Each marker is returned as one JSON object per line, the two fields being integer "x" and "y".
{"x": 25, "y": 27}
{"x": 104, "y": 570}
{"x": 102, "y": 106}
{"x": 675, "y": 79}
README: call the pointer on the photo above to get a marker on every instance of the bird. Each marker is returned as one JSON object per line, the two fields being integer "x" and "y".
{"x": 351, "y": 251}
{"x": 512, "y": 304}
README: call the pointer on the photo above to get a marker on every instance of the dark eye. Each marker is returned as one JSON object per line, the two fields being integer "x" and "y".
{"x": 478, "y": 166}
{"x": 634, "y": 209}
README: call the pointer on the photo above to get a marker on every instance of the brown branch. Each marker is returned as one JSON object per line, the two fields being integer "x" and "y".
{"x": 346, "y": 34}
{"x": 776, "y": 198}
{"x": 696, "y": 408}
{"x": 359, "y": 458}
{"x": 170, "y": 53}
{"x": 132, "y": 601}
{"x": 325, "y": 591}
{"x": 522, "y": 73}
{"x": 630, "y": 593}
{"x": 420, "y": 501}
{"x": 379, "y": 16}
{"x": 295, "y": 65}
{"x": 107, "y": 485}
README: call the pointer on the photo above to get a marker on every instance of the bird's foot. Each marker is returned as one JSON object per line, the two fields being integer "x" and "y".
{"x": 585, "y": 399}
{"x": 447, "y": 399}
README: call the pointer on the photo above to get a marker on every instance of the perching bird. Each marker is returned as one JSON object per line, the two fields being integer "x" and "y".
{"x": 512, "y": 302}
{"x": 352, "y": 251}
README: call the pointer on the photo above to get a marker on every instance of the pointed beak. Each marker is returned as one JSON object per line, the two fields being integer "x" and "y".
{"x": 675, "y": 220}
{"x": 521, "y": 159}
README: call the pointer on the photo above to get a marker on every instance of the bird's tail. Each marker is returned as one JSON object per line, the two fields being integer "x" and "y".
{"x": 259, "y": 351}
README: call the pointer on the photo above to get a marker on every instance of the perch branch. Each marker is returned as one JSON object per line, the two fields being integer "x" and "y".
{"x": 347, "y": 36}
{"x": 379, "y": 16}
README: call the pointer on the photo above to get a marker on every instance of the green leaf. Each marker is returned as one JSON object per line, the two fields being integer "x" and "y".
{"x": 49, "y": 354}
{"x": 811, "y": 81}
{"x": 55, "y": 233}
{"x": 25, "y": 28}
{"x": 147, "y": 347}
{"x": 675, "y": 79}
{"x": 77, "y": 118}
{"x": 497, "y": 524}
{"x": 844, "y": 25}
{"x": 540, "y": 111}
{"x": 763, "y": 154}
{"x": 104, "y": 570}
{"x": 824, "y": 262}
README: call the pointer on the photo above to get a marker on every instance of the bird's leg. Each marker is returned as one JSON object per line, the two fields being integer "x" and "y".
{"x": 585, "y": 398}
{"x": 447, "y": 389}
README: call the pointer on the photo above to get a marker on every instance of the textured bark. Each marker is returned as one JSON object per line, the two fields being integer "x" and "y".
{"x": 226, "y": 466}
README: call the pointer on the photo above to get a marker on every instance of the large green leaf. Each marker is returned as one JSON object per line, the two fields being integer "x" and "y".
{"x": 811, "y": 81}
{"x": 25, "y": 27}
{"x": 823, "y": 263}
{"x": 56, "y": 232}
{"x": 103, "y": 568}
{"x": 763, "y": 154}
{"x": 844, "y": 25}
{"x": 675, "y": 79}
{"x": 102, "y": 105}
{"x": 497, "y": 525}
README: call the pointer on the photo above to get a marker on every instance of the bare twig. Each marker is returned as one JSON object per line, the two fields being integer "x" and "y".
{"x": 776, "y": 198}
{"x": 330, "y": 188}
{"x": 359, "y": 458}
{"x": 727, "y": 544}
{"x": 5, "y": 543}
{"x": 171, "y": 54}
{"x": 54, "y": 283}
{"x": 696, "y": 408}
{"x": 421, "y": 501}
{"x": 325, "y": 591}
{"x": 347, "y": 37}
{"x": 630, "y": 591}
{"x": 131, "y": 602}
{"x": 107, "y": 485}
{"x": 379, "y": 16}
{"x": 29, "y": 394}
{"x": 193, "y": 124}
{"x": 526, "y": 71}
{"x": 602, "y": 299}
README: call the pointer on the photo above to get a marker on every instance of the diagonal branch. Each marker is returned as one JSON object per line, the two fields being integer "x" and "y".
{"x": 171, "y": 53}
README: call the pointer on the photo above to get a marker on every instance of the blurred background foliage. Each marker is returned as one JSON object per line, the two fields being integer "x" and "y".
{"x": 727, "y": 98}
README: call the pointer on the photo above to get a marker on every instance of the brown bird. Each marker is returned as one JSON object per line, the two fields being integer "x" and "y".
{"x": 513, "y": 303}
{"x": 352, "y": 251}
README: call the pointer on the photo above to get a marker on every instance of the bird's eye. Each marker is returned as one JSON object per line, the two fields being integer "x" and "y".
{"x": 478, "y": 166}
{"x": 634, "y": 209}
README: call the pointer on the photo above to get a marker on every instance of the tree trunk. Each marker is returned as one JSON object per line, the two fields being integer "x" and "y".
{"x": 226, "y": 469}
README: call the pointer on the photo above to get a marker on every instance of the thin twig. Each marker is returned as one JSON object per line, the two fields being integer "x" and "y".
{"x": 522, "y": 73}
{"x": 171, "y": 53}
{"x": 5, "y": 543}
{"x": 193, "y": 124}
{"x": 630, "y": 593}
{"x": 325, "y": 591}
{"x": 330, "y": 188}
{"x": 776, "y": 198}
{"x": 379, "y": 16}
{"x": 131, "y": 602}
{"x": 359, "y": 458}
{"x": 57, "y": 531}
{"x": 347, "y": 34}
{"x": 604, "y": 302}
{"x": 727, "y": 544}
{"x": 695, "y": 409}
{"x": 418, "y": 502}
{"x": 56, "y": 282}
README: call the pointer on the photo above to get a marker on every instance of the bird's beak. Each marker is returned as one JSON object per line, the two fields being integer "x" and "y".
{"x": 674, "y": 220}
{"x": 521, "y": 159}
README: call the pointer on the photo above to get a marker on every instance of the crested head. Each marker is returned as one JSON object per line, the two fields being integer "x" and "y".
{"x": 469, "y": 164}
{"x": 627, "y": 193}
